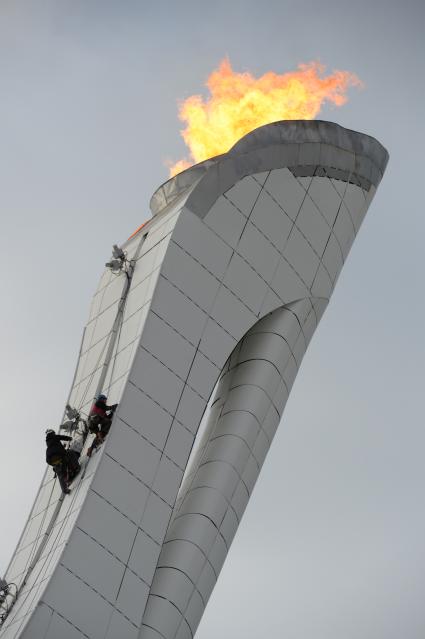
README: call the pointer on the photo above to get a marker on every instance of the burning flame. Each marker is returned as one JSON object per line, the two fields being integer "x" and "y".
{"x": 239, "y": 103}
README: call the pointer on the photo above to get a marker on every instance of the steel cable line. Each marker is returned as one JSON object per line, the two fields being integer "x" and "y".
{"x": 38, "y": 535}
{"x": 41, "y": 548}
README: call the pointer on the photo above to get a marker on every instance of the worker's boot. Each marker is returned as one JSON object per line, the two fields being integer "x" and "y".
{"x": 62, "y": 481}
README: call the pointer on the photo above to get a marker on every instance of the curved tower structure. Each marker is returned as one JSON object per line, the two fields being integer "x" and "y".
{"x": 224, "y": 289}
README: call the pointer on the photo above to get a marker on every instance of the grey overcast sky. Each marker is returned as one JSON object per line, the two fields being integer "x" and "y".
{"x": 332, "y": 542}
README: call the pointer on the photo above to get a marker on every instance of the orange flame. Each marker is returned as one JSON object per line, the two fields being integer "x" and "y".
{"x": 239, "y": 103}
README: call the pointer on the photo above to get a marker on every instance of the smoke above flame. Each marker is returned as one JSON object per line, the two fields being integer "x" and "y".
{"x": 239, "y": 103}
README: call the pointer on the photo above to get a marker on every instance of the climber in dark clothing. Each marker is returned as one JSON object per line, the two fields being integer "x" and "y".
{"x": 100, "y": 420}
{"x": 57, "y": 456}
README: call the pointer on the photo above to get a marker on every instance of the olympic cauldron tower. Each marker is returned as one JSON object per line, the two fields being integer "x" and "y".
{"x": 226, "y": 285}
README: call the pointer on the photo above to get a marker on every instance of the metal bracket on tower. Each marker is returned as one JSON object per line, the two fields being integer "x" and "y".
{"x": 73, "y": 416}
{"x": 5, "y": 592}
{"x": 119, "y": 260}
